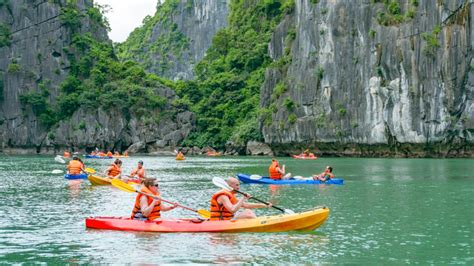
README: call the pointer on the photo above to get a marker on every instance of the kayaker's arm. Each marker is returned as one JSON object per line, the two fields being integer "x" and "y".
{"x": 224, "y": 200}
{"x": 256, "y": 205}
{"x": 165, "y": 208}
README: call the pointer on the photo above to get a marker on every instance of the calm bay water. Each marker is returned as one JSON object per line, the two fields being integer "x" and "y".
{"x": 388, "y": 211}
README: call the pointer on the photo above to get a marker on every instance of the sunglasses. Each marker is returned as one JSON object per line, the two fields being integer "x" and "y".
{"x": 156, "y": 185}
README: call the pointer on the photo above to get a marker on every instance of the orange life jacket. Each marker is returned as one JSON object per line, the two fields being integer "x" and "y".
{"x": 74, "y": 167}
{"x": 218, "y": 211}
{"x": 155, "y": 213}
{"x": 139, "y": 172}
{"x": 109, "y": 154}
{"x": 274, "y": 174}
{"x": 114, "y": 170}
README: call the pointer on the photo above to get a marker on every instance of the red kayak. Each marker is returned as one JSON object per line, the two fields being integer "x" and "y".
{"x": 304, "y": 221}
{"x": 304, "y": 157}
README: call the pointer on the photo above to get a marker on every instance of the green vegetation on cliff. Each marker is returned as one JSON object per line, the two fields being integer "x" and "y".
{"x": 168, "y": 42}
{"x": 225, "y": 94}
{"x": 96, "y": 78}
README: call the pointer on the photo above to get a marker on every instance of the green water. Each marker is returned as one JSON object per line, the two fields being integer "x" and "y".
{"x": 388, "y": 211}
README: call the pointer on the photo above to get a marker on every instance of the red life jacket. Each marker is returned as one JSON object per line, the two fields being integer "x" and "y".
{"x": 218, "y": 211}
{"x": 155, "y": 213}
{"x": 273, "y": 172}
{"x": 74, "y": 167}
{"x": 114, "y": 171}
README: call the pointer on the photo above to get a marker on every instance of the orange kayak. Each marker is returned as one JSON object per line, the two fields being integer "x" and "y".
{"x": 303, "y": 221}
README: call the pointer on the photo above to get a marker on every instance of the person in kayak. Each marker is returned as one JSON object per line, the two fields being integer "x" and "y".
{"x": 109, "y": 154}
{"x": 146, "y": 207}
{"x": 75, "y": 166}
{"x": 115, "y": 169}
{"x": 224, "y": 204}
{"x": 324, "y": 176}
{"x": 138, "y": 172}
{"x": 277, "y": 173}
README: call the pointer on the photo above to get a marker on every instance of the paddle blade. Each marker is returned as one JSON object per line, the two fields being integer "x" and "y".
{"x": 288, "y": 211}
{"x": 255, "y": 177}
{"x": 57, "y": 171}
{"x": 221, "y": 183}
{"x": 122, "y": 185}
{"x": 90, "y": 170}
{"x": 204, "y": 213}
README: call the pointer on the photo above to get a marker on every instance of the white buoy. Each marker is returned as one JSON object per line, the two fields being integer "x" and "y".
{"x": 59, "y": 159}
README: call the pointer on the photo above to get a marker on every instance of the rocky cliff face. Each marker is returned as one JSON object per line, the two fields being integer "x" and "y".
{"x": 177, "y": 37}
{"x": 358, "y": 77}
{"x": 35, "y": 54}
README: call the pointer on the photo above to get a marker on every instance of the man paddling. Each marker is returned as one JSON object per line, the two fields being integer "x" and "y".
{"x": 138, "y": 172}
{"x": 224, "y": 204}
{"x": 115, "y": 169}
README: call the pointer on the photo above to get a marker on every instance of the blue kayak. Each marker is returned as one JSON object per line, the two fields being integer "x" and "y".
{"x": 98, "y": 157}
{"x": 266, "y": 180}
{"x": 73, "y": 177}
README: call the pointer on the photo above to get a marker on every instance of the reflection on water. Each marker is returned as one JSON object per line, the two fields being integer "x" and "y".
{"x": 389, "y": 210}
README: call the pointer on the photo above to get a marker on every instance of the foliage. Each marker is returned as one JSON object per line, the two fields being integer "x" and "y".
{"x": 431, "y": 40}
{"x": 70, "y": 17}
{"x": 292, "y": 118}
{"x": 5, "y": 35}
{"x": 289, "y": 104}
{"x": 1, "y": 87}
{"x": 320, "y": 73}
{"x": 225, "y": 94}
{"x": 14, "y": 67}
{"x": 372, "y": 33}
{"x": 97, "y": 15}
{"x": 393, "y": 14}
{"x": 97, "y": 79}
{"x": 141, "y": 45}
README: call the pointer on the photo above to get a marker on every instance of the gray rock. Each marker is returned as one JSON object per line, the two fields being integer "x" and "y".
{"x": 356, "y": 82}
{"x": 258, "y": 148}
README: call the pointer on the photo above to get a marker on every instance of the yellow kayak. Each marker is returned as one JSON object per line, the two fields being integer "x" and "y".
{"x": 303, "y": 221}
{"x": 103, "y": 181}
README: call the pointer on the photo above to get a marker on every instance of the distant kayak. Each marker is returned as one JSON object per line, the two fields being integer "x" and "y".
{"x": 304, "y": 157}
{"x": 73, "y": 177}
{"x": 254, "y": 179}
{"x": 304, "y": 221}
{"x": 97, "y": 157}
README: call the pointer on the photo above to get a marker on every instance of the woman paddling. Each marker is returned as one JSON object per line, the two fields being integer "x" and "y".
{"x": 146, "y": 207}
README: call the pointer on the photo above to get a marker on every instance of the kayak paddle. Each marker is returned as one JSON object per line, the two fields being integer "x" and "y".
{"x": 223, "y": 184}
{"x": 90, "y": 170}
{"x": 126, "y": 187}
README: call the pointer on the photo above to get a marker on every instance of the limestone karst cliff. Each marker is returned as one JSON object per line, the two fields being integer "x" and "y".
{"x": 61, "y": 85}
{"x": 372, "y": 78}
{"x": 177, "y": 37}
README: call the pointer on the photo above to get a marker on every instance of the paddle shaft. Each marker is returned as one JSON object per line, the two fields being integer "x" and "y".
{"x": 167, "y": 201}
{"x": 259, "y": 200}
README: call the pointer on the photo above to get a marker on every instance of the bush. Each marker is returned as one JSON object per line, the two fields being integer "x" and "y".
{"x": 5, "y": 35}
{"x": 320, "y": 73}
{"x": 289, "y": 104}
{"x": 14, "y": 68}
{"x": 71, "y": 17}
{"x": 292, "y": 119}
